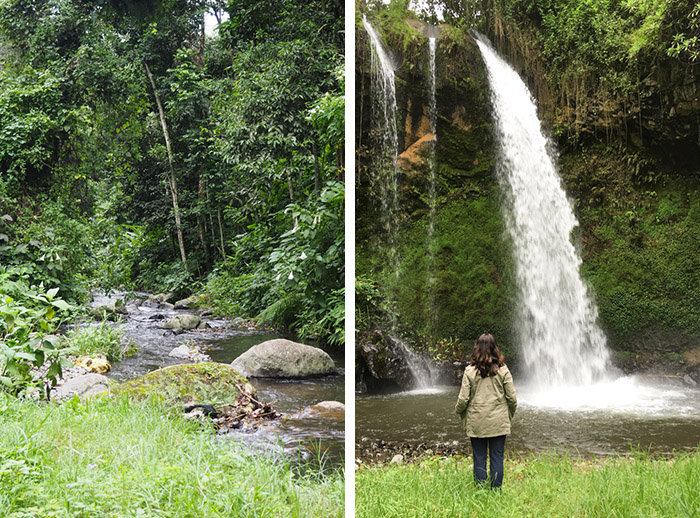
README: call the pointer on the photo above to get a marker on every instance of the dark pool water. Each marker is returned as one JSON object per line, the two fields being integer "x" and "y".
{"x": 656, "y": 415}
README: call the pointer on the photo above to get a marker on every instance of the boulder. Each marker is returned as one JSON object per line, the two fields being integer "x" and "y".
{"x": 184, "y": 322}
{"x": 82, "y": 386}
{"x": 238, "y": 322}
{"x": 335, "y": 406}
{"x": 180, "y": 352}
{"x": 108, "y": 312}
{"x": 189, "y": 352}
{"x": 98, "y": 364}
{"x": 187, "y": 384}
{"x": 378, "y": 367}
{"x": 282, "y": 358}
{"x": 190, "y": 302}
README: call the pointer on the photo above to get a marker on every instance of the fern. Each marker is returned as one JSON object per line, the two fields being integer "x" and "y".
{"x": 282, "y": 311}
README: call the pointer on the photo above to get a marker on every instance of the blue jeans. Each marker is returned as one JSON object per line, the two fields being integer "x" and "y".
{"x": 495, "y": 446}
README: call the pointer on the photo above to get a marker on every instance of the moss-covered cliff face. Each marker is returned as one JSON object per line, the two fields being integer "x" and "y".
{"x": 453, "y": 287}
{"x": 629, "y": 158}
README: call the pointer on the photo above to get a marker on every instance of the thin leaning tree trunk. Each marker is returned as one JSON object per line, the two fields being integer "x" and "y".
{"x": 171, "y": 179}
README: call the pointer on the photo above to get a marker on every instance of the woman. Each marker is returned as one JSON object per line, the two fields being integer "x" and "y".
{"x": 486, "y": 405}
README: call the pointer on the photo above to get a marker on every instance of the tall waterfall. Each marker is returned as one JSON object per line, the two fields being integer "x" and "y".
{"x": 561, "y": 342}
{"x": 432, "y": 193}
{"x": 384, "y": 120}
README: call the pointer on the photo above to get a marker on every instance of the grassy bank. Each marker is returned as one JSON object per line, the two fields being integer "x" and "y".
{"x": 116, "y": 459}
{"x": 549, "y": 485}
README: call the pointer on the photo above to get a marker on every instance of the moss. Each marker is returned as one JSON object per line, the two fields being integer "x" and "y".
{"x": 641, "y": 243}
{"x": 213, "y": 383}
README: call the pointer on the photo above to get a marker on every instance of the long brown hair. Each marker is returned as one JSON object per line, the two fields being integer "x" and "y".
{"x": 486, "y": 357}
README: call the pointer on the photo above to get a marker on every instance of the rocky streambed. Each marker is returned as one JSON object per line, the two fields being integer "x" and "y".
{"x": 304, "y": 415}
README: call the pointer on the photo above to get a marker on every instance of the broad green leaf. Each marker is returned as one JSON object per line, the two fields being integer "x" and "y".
{"x": 62, "y": 304}
{"x": 54, "y": 370}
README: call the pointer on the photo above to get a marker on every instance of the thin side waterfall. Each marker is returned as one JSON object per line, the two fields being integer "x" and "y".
{"x": 557, "y": 328}
{"x": 386, "y": 173}
{"x": 387, "y": 149}
{"x": 432, "y": 195}
{"x": 423, "y": 371}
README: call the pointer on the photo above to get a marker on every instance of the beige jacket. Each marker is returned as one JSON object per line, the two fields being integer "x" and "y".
{"x": 486, "y": 405}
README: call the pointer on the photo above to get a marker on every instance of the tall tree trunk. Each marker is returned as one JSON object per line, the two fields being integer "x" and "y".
{"x": 201, "y": 220}
{"x": 171, "y": 178}
{"x": 289, "y": 184}
{"x": 317, "y": 174}
{"x": 221, "y": 234}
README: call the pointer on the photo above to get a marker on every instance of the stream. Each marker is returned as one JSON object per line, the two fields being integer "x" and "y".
{"x": 301, "y": 432}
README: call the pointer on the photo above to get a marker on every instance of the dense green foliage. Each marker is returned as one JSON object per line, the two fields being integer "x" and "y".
{"x": 28, "y": 318}
{"x": 136, "y": 152}
{"x": 115, "y": 458}
{"x": 549, "y": 485}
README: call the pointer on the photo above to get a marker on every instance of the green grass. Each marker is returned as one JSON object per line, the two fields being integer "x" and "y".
{"x": 536, "y": 486}
{"x": 112, "y": 458}
{"x": 102, "y": 338}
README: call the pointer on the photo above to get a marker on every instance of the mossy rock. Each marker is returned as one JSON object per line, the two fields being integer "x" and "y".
{"x": 211, "y": 383}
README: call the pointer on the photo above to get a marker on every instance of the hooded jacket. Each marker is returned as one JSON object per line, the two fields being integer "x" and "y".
{"x": 486, "y": 405}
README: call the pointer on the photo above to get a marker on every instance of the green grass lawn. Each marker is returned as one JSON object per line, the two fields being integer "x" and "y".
{"x": 112, "y": 458}
{"x": 536, "y": 486}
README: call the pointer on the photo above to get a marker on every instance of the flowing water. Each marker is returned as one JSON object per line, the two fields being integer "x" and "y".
{"x": 559, "y": 337}
{"x": 301, "y": 430}
{"x": 384, "y": 130}
{"x": 432, "y": 181}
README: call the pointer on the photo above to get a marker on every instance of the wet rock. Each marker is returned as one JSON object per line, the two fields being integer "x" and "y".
{"x": 282, "y": 358}
{"x": 184, "y": 323}
{"x": 689, "y": 380}
{"x": 83, "y": 386}
{"x": 188, "y": 384}
{"x": 329, "y": 405}
{"x": 397, "y": 459}
{"x": 108, "y": 312}
{"x": 189, "y": 352}
{"x": 190, "y": 302}
{"x": 238, "y": 322}
{"x": 162, "y": 297}
{"x": 180, "y": 352}
{"x": 378, "y": 368}
{"x": 378, "y": 452}
{"x": 98, "y": 364}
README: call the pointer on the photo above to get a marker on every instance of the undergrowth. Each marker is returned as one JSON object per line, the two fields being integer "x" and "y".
{"x": 113, "y": 458}
{"x": 547, "y": 485}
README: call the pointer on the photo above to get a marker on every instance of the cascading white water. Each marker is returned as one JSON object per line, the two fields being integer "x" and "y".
{"x": 432, "y": 178}
{"x": 561, "y": 342}
{"x": 384, "y": 121}
{"x": 386, "y": 173}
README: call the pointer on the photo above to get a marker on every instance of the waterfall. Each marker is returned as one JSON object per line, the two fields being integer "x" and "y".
{"x": 386, "y": 174}
{"x": 557, "y": 328}
{"x": 432, "y": 196}
{"x": 424, "y": 372}
{"x": 384, "y": 120}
